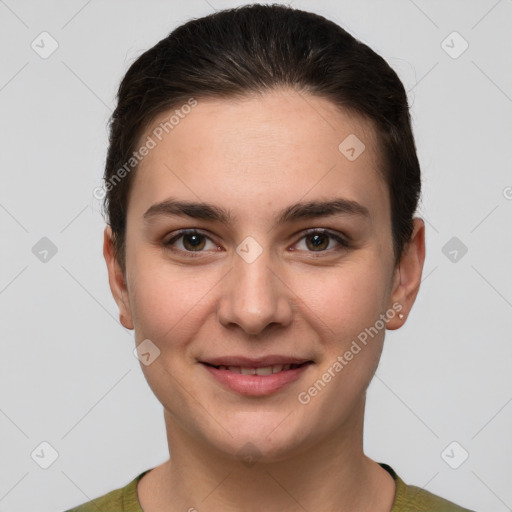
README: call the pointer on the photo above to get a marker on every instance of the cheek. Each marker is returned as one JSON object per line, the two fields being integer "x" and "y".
{"x": 345, "y": 299}
{"x": 169, "y": 309}
{"x": 348, "y": 306}
{"x": 171, "y": 302}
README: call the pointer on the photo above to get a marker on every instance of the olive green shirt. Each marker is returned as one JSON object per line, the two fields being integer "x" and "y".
{"x": 408, "y": 498}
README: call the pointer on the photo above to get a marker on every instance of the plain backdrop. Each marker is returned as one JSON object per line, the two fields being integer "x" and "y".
{"x": 442, "y": 395}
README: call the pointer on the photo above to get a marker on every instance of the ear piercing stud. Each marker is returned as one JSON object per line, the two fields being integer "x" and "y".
{"x": 400, "y": 315}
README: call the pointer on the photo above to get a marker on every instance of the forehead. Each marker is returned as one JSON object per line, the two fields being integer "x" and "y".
{"x": 258, "y": 151}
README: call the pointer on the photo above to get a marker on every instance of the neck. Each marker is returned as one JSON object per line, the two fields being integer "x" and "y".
{"x": 332, "y": 474}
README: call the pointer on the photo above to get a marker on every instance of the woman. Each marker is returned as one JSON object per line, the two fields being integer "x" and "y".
{"x": 261, "y": 185}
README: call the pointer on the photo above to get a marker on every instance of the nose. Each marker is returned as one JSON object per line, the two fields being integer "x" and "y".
{"x": 254, "y": 296}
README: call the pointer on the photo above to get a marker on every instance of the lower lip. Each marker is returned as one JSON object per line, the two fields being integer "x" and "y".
{"x": 257, "y": 385}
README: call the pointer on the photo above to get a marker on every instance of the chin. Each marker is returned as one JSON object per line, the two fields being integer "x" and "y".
{"x": 262, "y": 436}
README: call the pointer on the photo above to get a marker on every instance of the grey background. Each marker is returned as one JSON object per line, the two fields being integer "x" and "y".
{"x": 68, "y": 374}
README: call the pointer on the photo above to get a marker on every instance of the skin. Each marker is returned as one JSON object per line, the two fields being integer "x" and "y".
{"x": 255, "y": 157}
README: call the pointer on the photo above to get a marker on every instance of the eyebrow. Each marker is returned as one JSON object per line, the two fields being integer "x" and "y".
{"x": 295, "y": 212}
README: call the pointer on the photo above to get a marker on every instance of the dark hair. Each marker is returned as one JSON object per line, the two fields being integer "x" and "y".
{"x": 253, "y": 49}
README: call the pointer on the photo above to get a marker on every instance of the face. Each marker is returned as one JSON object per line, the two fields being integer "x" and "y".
{"x": 266, "y": 317}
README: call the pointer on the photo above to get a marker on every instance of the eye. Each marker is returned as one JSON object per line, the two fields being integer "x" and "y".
{"x": 318, "y": 240}
{"x": 192, "y": 241}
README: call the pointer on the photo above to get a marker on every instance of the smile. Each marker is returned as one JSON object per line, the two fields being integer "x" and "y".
{"x": 264, "y": 370}
{"x": 256, "y": 380}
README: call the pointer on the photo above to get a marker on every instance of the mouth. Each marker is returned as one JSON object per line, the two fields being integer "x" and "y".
{"x": 256, "y": 377}
{"x": 259, "y": 370}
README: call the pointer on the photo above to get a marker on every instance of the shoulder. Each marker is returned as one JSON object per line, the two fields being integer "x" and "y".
{"x": 410, "y": 498}
{"x": 111, "y": 501}
{"x": 123, "y": 499}
{"x": 415, "y": 499}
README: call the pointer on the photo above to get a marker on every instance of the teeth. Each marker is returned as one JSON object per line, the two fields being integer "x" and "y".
{"x": 266, "y": 370}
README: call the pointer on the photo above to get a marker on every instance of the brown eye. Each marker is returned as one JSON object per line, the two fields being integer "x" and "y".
{"x": 319, "y": 240}
{"x": 191, "y": 242}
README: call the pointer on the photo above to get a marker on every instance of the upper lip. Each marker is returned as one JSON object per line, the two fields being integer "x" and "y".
{"x": 257, "y": 362}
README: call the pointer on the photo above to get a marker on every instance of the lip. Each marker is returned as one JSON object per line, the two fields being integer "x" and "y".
{"x": 257, "y": 362}
{"x": 255, "y": 385}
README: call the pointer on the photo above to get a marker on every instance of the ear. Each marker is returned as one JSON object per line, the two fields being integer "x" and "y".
{"x": 116, "y": 280}
{"x": 407, "y": 278}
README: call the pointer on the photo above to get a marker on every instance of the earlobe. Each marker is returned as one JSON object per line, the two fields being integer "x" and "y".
{"x": 396, "y": 304}
{"x": 116, "y": 280}
{"x": 407, "y": 277}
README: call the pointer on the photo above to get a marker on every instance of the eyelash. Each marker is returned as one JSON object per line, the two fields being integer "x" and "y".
{"x": 194, "y": 254}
